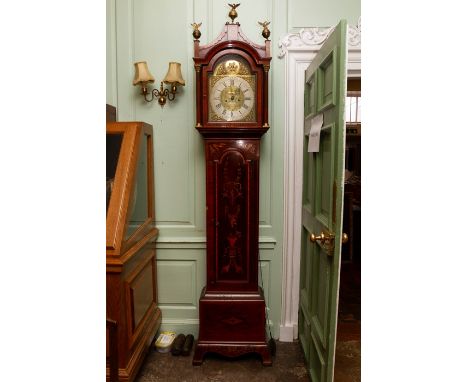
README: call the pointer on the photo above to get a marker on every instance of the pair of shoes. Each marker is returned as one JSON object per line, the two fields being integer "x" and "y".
{"x": 178, "y": 344}
{"x": 182, "y": 345}
{"x": 187, "y": 345}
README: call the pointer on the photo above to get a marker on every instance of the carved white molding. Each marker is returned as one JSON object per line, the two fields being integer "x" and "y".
{"x": 354, "y": 35}
{"x": 309, "y": 37}
{"x": 305, "y": 37}
{"x": 301, "y": 48}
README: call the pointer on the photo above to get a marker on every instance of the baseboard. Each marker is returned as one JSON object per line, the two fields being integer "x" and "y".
{"x": 188, "y": 326}
{"x": 288, "y": 333}
{"x": 191, "y": 326}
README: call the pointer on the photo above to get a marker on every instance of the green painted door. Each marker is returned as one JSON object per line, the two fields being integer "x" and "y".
{"x": 322, "y": 205}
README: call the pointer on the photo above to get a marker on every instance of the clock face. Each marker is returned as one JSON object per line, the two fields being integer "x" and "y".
{"x": 232, "y": 98}
{"x": 232, "y": 92}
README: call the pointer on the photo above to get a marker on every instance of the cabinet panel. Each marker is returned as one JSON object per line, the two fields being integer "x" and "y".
{"x": 142, "y": 293}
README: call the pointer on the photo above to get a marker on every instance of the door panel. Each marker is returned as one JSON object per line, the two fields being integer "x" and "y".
{"x": 322, "y": 205}
{"x": 327, "y": 82}
{"x": 324, "y": 171}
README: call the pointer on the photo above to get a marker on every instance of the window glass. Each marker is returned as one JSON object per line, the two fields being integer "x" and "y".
{"x": 138, "y": 206}
{"x": 353, "y": 109}
{"x": 113, "y": 145}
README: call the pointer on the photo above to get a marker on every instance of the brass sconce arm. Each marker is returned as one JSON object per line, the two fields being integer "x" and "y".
{"x": 160, "y": 94}
{"x": 173, "y": 79}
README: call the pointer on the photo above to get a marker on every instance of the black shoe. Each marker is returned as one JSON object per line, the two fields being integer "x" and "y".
{"x": 187, "y": 345}
{"x": 178, "y": 344}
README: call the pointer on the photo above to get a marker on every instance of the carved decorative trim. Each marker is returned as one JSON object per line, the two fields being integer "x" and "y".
{"x": 309, "y": 36}
{"x": 217, "y": 148}
{"x": 251, "y": 148}
{"x": 232, "y": 350}
{"x": 232, "y": 321}
{"x": 354, "y": 34}
{"x": 316, "y": 36}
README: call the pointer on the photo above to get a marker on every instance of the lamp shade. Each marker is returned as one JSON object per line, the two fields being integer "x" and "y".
{"x": 174, "y": 74}
{"x": 142, "y": 73}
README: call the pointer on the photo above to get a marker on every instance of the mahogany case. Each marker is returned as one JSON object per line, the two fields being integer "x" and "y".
{"x": 232, "y": 305}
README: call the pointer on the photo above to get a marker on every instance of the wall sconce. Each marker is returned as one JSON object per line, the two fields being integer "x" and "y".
{"x": 173, "y": 78}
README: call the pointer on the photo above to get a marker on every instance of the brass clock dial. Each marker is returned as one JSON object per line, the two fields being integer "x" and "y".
{"x": 232, "y": 98}
{"x": 232, "y": 92}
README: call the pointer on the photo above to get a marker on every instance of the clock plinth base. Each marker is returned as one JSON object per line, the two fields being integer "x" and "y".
{"x": 232, "y": 324}
{"x": 231, "y": 350}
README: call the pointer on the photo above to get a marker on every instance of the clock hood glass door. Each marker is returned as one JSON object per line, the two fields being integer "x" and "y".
{"x": 232, "y": 91}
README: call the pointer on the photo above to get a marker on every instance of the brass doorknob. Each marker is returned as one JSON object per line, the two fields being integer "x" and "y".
{"x": 322, "y": 237}
{"x": 344, "y": 238}
{"x": 317, "y": 238}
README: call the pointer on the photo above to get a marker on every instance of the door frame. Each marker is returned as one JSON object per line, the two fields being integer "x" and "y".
{"x": 299, "y": 49}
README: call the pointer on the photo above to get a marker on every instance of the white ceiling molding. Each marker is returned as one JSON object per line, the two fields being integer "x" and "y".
{"x": 299, "y": 49}
{"x": 309, "y": 37}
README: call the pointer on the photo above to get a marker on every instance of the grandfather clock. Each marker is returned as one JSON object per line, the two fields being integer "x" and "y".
{"x": 232, "y": 115}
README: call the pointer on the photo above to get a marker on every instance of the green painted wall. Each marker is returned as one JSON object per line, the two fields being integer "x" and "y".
{"x": 159, "y": 32}
{"x": 111, "y": 58}
{"x": 322, "y": 13}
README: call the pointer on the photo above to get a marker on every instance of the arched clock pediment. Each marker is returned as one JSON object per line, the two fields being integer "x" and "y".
{"x": 242, "y": 47}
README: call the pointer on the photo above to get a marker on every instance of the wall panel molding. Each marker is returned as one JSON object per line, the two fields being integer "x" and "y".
{"x": 191, "y": 242}
{"x": 178, "y": 283}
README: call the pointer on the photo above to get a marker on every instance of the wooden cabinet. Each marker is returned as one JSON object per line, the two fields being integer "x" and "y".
{"x": 130, "y": 255}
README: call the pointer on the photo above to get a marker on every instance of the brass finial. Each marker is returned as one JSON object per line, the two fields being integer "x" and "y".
{"x": 266, "y": 31}
{"x": 196, "y": 33}
{"x": 233, "y": 12}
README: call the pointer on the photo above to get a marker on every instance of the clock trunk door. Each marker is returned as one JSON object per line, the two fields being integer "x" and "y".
{"x": 232, "y": 215}
{"x": 322, "y": 205}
